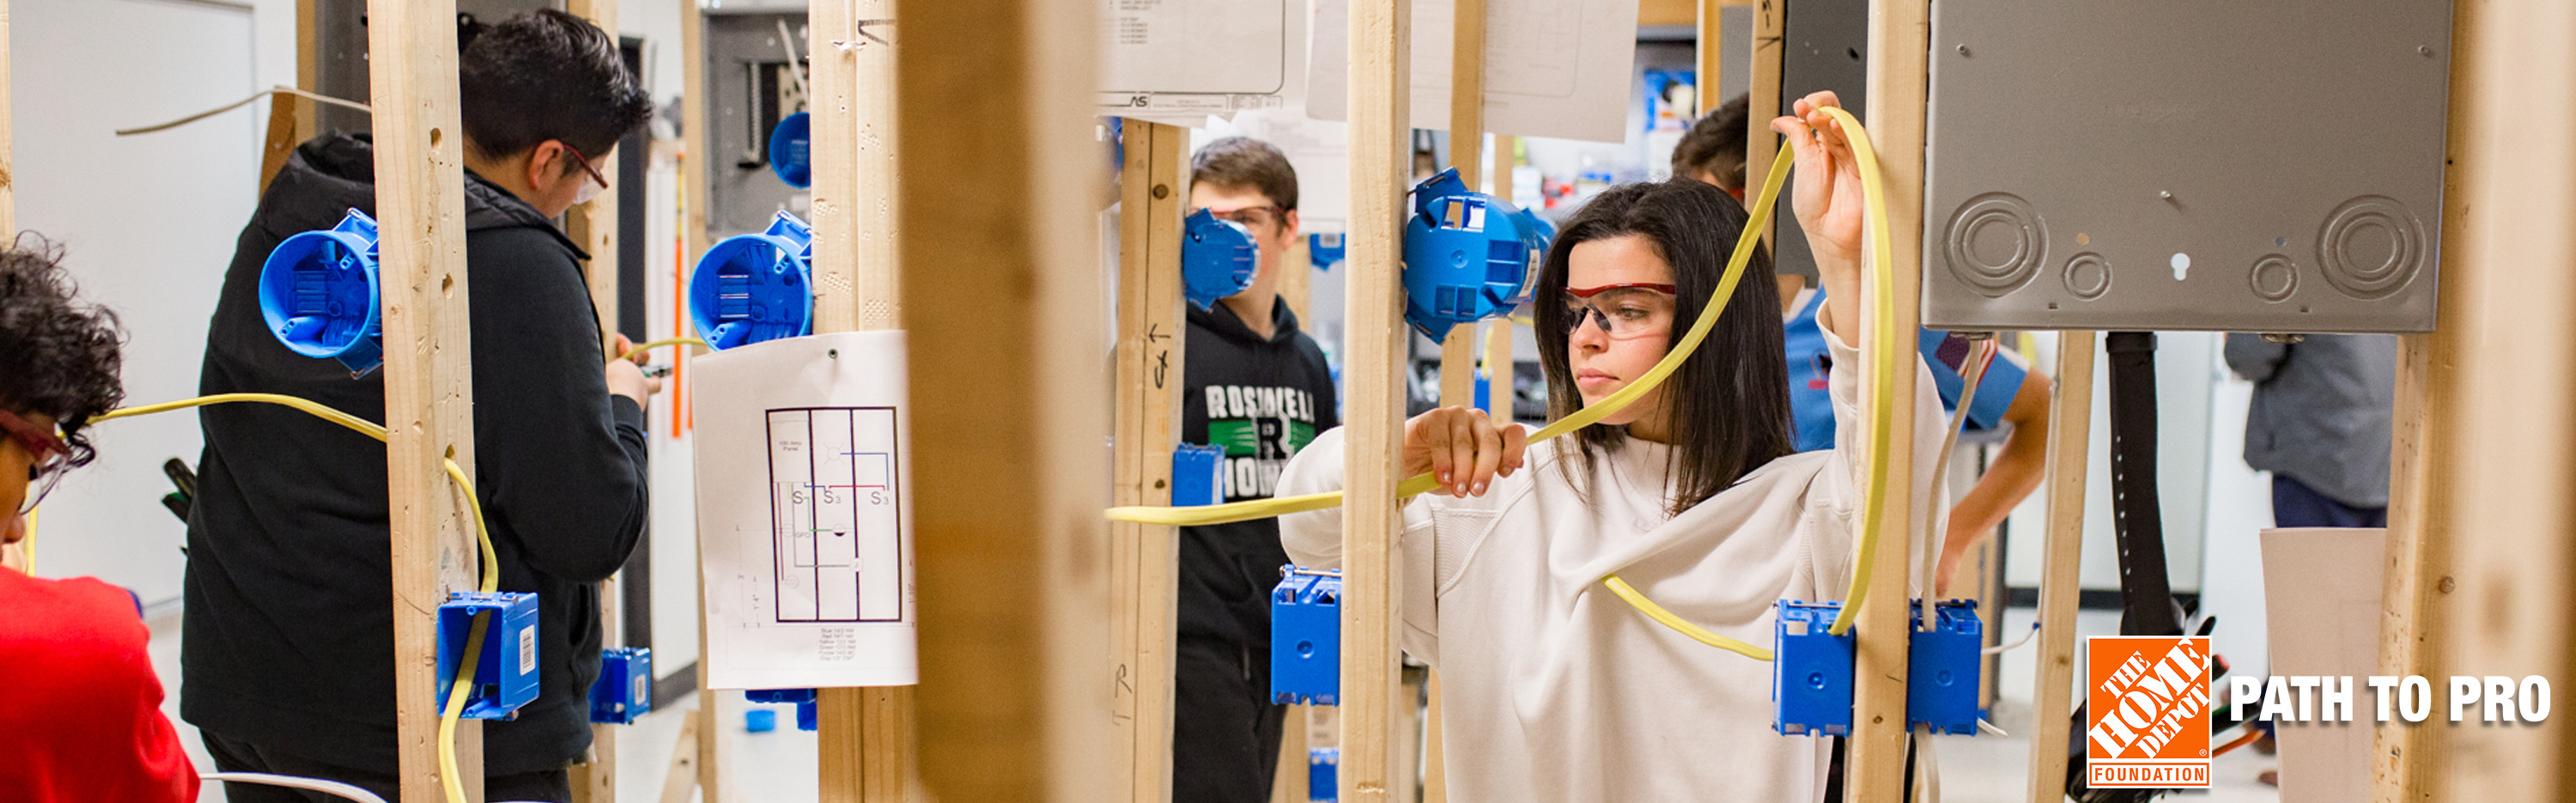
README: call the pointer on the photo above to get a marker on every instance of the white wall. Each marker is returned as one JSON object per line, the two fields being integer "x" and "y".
{"x": 147, "y": 223}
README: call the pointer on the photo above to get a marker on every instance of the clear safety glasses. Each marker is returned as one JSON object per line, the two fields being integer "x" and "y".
{"x": 1623, "y": 311}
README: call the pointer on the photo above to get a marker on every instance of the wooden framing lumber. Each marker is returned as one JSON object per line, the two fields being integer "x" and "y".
{"x": 1380, "y": 153}
{"x": 1762, "y": 99}
{"x": 1498, "y": 334}
{"x": 8, "y": 161}
{"x": 428, "y": 375}
{"x": 1144, "y": 559}
{"x": 1458, "y": 352}
{"x": 993, "y": 110}
{"x": 694, "y": 175}
{"x": 1899, "y": 32}
{"x": 1288, "y": 784}
{"x": 1711, "y": 56}
{"x": 593, "y": 226}
{"x": 2070, "y": 438}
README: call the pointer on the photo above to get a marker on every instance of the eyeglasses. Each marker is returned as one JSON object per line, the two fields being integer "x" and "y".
{"x": 1623, "y": 311}
{"x": 1249, "y": 216}
{"x": 586, "y": 168}
{"x": 50, "y": 453}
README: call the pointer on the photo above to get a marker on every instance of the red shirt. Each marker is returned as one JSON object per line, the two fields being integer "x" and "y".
{"x": 80, "y": 709}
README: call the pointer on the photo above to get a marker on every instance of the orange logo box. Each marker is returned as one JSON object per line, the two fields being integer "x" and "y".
{"x": 2146, "y": 716}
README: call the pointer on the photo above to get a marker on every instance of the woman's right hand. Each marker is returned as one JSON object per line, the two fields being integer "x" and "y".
{"x": 1462, "y": 448}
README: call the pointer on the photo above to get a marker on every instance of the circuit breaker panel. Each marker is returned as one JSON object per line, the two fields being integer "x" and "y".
{"x": 2185, "y": 165}
{"x": 751, "y": 86}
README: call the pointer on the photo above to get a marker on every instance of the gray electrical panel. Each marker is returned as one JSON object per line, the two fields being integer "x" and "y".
{"x": 340, "y": 46}
{"x": 750, "y": 87}
{"x": 1824, "y": 46}
{"x": 2185, "y": 164}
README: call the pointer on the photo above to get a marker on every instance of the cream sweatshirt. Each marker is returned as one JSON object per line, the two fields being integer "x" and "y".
{"x": 1555, "y": 690}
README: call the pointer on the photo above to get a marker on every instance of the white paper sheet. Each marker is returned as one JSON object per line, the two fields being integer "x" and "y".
{"x": 1178, "y": 61}
{"x": 1553, "y": 68}
{"x": 803, "y": 504}
{"x": 2321, "y": 591}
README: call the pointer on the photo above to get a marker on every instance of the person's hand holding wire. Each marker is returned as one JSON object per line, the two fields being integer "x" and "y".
{"x": 1463, "y": 449}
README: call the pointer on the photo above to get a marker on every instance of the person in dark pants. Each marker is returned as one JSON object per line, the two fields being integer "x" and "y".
{"x": 1252, "y": 383}
{"x": 2320, "y": 423}
{"x": 287, "y": 647}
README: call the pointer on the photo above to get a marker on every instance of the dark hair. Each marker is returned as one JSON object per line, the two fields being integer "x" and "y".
{"x": 1716, "y": 144}
{"x": 1729, "y": 402}
{"x": 1244, "y": 163}
{"x": 545, "y": 75}
{"x": 58, "y": 357}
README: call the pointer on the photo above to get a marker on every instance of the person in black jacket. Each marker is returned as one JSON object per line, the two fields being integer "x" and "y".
{"x": 287, "y": 652}
{"x": 1252, "y": 383}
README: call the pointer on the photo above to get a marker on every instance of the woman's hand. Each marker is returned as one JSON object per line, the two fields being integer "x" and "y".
{"x": 1462, "y": 448}
{"x": 1828, "y": 203}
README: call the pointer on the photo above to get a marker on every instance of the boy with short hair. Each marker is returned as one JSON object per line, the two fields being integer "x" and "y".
{"x": 1255, "y": 385}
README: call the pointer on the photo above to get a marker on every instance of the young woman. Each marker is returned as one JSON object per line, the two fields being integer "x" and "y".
{"x": 80, "y": 712}
{"x": 1554, "y": 688}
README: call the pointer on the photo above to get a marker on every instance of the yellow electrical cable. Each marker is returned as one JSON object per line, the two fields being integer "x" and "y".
{"x": 491, "y": 573}
{"x": 668, "y": 341}
{"x": 1657, "y": 613}
{"x": 1882, "y": 413}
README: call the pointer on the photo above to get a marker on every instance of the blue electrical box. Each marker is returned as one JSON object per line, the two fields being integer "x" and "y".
{"x": 1198, "y": 475}
{"x": 1468, "y": 256}
{"x": 1325, "y": 249}
{"x": 1811, "y": 670}
{"x": 1306, "y": 637}
{"x": 791, "y": 150}
{"x": 505, "y": 670}
{"x": 802, "y": 698}
{"x": 753, "y": 288}
{"x": 1323, "y": 774}
{"x": 318, "y": 294}
{"x": 1218, "y": 258}
{"x": 1942, "y": 668}
{"x": 624, "y": 689}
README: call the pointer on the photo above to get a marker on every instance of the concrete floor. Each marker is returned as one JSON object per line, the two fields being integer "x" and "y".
{"x": 779, "y": 766}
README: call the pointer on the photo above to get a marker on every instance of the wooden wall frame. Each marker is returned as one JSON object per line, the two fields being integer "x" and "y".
{"x": 1154, "y": 187}
{"x": 1380, "y": 153}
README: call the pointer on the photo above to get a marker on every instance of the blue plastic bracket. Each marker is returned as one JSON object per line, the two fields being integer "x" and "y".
{"x": 624, "y": 689}
{"x": 1198, "y": 475}
{"x": 505, "y": 670}
{"x": 753, "y": 288}
{"x": 318, "y": 294}
{"x": 1811, "y": 670}
{"x": 1218, "y": 258}
{"x": 803, "y": 698}
{"x": 1306, "y": 637}
{"x": 1468, "y": 256}
{"x": 1323, "y": 774}
{"x": 1943, "y": 667}
{"x": 1326, "y": 249}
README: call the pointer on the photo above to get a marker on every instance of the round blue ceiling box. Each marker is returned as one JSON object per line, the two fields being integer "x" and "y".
{"x": 318, "y": 294}
{"x": 1218, "y": 258}
{"x": 1468, "y": 256}
{"x": 755, "y": 287}
{"x": 791, "y": 150}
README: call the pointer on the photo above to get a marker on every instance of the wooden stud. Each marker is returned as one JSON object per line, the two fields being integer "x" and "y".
{"x": 1762, "y": 99}
{"x": 1380, "y": 155}
{"x": 694, "y": 174}
{"x": 2417, "y": 583}
{"x": 1711, "y": 55}
{"x": 1498, "y": 334}
{"x": 1297, "y": 280}
{"x": 2070, "y": 439}
{"x": 680, "y": 784}
{"x": 1144, "y": 559}
{"x": 593, "y": 226}
{"x": 308, "y": 66}
{"x": 594, "y": 780}
{"x": 1458, "y": 352}
{"x": 8, "y": 160}
{"x": 428, "y": 375}
{"x": 1899, "y": 33}
{"x": 1288, "y": 784}
{"x": 995, "y": 110}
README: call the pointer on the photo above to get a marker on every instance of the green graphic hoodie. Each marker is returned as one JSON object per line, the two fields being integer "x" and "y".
{"x": 1262, "y": 399}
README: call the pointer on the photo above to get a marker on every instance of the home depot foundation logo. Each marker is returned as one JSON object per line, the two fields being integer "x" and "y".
{"x": 2146, "y": 721}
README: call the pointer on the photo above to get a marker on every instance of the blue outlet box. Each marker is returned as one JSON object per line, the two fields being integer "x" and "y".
{"x": 1306, "y": 637}
{"x": 318, "y": 294}
{"x": 1323, "y": 774}
{"x": 791, "y": 150}
{"x": 1468, "y": 256}
{"x": 1325, "y": 249}
{"x": 624, "y": 689}
{"x": 755, "y": 287}
{"x": 1811, "y": 671}
{"x": 1218, "y": 258}
{"x": 802, "y": 698}
{"x": 1198, "y": 475}
{"x": 1942, "y": 668}
{"x": 505, "y": 670}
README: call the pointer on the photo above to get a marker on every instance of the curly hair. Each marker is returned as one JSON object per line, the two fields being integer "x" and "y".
{"x": 58, "y": 356}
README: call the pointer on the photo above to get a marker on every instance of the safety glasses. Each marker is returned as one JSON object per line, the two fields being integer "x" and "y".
{"x": 1251, "y": 215}
{"x": 1623, "y": 311}
{"x": 595, "y": 175}
{"x": 50, "y": 454}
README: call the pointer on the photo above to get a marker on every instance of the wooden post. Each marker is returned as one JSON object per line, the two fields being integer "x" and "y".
{"x": 290, "y": 118}
{"x": 8, "y": 161}
{"x": 1380, "y": 158}
{"x": 1288, "y": 785}
{"x": 1712, "y": 52}
{"x": 2479, "y": 568}
{"x": 1498, "y": 335}
{"x": 1144, "y": 559}
{"x": 694, "y": 175}
{"x": 1297, "y": 279}
{"x": 2070, "y": 439}
{"x": 594, "y": 780}
{"x": 1762, "y": 99}
{"x": 428, "y": 375}
{"x": 1899, "y": 32}
{"x": 1458, "y": 352}
{"x": 593, "y": 225}
{"x": 865, "y": 734}
{"x": 994, "y": 110}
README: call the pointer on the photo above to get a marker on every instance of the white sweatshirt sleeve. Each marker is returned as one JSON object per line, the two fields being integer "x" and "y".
{"x": 1851, "y": 454}
{"x": 1313, "y": 539}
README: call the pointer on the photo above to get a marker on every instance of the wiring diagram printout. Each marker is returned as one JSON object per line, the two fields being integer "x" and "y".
{"x": 802, "y": 505}
{"x": 1178, "y": 61}
{"x": 1553, "y": 68}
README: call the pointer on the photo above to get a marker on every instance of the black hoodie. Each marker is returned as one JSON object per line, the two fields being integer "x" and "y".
{"x": 1262, "y": 399}
{"x": 289, "y": 632}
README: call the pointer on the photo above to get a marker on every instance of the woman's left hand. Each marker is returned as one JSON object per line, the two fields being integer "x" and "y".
{"x": 1828, "y": 201}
